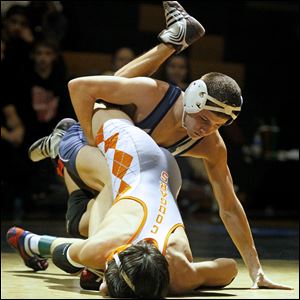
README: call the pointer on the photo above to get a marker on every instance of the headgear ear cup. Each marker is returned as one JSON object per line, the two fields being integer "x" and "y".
{"x": 195, "y": 99}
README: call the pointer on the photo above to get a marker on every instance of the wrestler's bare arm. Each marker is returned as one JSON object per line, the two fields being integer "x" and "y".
{"x": 186, "y": 276}
{"x": 235, "y": 220}
{"x": 216, "y": 273}
{"x": 84, "y": 91}
{"x": 231, "y": 211}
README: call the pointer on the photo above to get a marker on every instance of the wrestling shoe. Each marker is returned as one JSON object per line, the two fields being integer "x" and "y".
{"x": 48, "y": 145}
{"x": 15, "y": 237}
{"x": 91, "y": 279}
{"x": 182, "y": 29}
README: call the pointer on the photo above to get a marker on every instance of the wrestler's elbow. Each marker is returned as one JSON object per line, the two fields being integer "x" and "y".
{"x": 225, "y": 212}
{"x": 75, "y": 84}
{"x": 228, "y": 203}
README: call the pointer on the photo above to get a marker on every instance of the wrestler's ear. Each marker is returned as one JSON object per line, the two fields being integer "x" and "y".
{"x": 103, "y": 288}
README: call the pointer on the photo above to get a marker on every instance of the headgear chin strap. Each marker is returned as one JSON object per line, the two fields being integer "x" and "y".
{"x": 196, "y": 96}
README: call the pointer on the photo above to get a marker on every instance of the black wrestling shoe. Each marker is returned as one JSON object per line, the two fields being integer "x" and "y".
{"x": 182, "y": 29}
{"x": 15, "y": 237}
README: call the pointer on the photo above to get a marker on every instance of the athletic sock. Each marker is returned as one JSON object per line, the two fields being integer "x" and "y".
{"x": 38, "y": 244}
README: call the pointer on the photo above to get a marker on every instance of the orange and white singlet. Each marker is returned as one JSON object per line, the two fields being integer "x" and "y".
{"x": 146, "y": 173}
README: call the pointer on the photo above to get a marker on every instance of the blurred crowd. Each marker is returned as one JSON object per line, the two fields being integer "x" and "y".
{"x": 34, "y": 97}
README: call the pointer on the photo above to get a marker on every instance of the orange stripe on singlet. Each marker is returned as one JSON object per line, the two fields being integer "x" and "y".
{"x": 168, "y": 236}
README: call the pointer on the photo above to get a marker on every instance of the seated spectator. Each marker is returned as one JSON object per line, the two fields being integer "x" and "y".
{"x": 177, "y": 71}
{"x": 47, "y": 89}
{"x": 120, "y": 58}
{"x": 5, "y": 5}
{"x": 18, "y": 39}
{"x": 47, "y": 20}
{"x": 43, "y": 105}
{"x": 13, "y": 161}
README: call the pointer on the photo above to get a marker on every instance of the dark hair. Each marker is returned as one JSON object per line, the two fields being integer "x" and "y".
{"x": 146, "y": 268}
{"x": 47, "y": 43}
{"x": 16, "y": 10}
{"x": 223, "y": 88}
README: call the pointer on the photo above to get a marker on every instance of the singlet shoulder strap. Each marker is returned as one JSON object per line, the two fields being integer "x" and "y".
{"x": 153, "y": 119}
{"x": 183, "y": 146}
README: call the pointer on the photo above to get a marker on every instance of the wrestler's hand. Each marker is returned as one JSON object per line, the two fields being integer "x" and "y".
{"x": 262, "y": 282}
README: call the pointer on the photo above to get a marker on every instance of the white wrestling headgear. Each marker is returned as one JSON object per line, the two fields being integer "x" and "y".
{"x": 196, "y": 96}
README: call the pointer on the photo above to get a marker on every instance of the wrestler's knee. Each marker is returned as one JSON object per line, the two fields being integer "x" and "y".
{"x": 230, "y": 270}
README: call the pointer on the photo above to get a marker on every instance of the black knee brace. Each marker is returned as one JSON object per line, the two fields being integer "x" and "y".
{"x": 59, "y": 258}
{"x": 77, "y": 204}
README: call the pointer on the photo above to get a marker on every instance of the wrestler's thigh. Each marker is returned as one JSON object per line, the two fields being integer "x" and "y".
{"x": 102, "y": 204}
{"x": 92, "y": 167}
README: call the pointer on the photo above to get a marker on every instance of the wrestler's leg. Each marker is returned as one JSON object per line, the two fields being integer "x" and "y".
{"x": 92, "y": 167}
{"x": 101, "y": 205}
{"x": 34, "y": 249}
{"x": 83, "y": 208}
{"x": 93, "y": 170}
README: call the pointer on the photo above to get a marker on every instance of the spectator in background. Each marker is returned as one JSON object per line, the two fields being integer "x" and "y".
{"x": 121, "y": 57}
{"x": 13, "y": 163}
{"x": 47, "y": 20}
{"x": 36, "y": 85}
{"x": 177, "y": 71}
{"x": 45, "y": 103}
{"x": 5, "y": 5}
{"x": 46, "y": 88}
{"x": 18, "y": 39}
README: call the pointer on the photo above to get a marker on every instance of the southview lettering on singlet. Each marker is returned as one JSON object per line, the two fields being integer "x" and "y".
{"x": 158, "y": 113}
{"x": 163, "y": 201}
{"x": 161, "y": 216}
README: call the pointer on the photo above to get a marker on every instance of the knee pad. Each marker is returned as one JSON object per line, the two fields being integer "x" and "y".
{"x": 59, "y": 258}
{"x": 77, "y": 204}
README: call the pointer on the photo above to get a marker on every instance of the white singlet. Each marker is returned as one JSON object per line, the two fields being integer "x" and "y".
{"x": 145, "y": 173}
